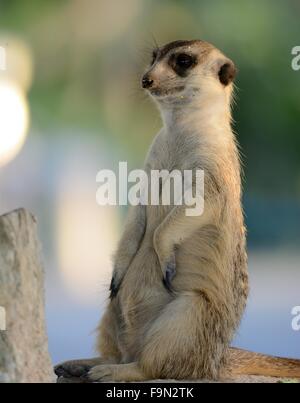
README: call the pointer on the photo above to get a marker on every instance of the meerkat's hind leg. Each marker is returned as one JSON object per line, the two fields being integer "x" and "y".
{"x": 76, "y": 368}
{"x": 117, "y": 373}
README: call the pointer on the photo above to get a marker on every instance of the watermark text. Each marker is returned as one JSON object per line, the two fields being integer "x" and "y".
{"x": 157, "y": 187}
{"x": 296, "y": 59}
{"x": 296, "y": 318}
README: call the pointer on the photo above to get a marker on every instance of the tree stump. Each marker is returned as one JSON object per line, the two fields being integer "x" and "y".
{"x": 24, "y": 353}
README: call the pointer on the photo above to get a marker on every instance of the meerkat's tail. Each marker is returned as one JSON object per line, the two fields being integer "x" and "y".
{"x": 244, "y": 362}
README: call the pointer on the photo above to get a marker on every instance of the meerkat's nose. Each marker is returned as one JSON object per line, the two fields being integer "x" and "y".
{"x": 146, "y": 81}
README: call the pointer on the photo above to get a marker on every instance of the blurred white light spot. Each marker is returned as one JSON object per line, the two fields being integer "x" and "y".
{"x": 14, "y": 120}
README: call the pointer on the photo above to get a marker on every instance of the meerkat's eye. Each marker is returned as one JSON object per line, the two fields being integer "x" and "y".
{"x": 184, "y": 61}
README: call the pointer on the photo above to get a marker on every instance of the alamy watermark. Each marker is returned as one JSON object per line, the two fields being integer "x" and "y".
{"x": 2, "y": 319}
{"x": 157, "y": 187}
{"x": 2, "y": 58}
{"x": 296, "y": 318}
{"x": 296, "y": 59}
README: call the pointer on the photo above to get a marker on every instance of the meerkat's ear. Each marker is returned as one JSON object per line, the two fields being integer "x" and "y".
{"x": 227, "y": 72}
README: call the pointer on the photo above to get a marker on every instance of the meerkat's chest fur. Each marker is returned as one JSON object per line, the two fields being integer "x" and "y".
{"x": 173, "y": 149}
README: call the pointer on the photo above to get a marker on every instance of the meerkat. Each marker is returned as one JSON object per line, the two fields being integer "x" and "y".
{"x": 180, "y": 283}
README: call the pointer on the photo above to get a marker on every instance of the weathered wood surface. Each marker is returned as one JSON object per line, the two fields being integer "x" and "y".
{"x": 24, "y": 353}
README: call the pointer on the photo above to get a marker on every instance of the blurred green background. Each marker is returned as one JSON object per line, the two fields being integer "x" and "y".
{"x": 87, "y": 112}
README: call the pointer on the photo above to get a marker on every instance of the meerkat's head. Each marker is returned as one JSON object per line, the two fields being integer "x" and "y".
{"x": 185, "y": 71}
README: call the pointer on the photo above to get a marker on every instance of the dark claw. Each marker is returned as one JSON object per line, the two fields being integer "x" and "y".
{"x": 170, "y": 273}
{"x": 69, "y": 370}
{"x": 114, "y": 288}
{"x": 59, "y": 371}
{"x": 85, "y": 377}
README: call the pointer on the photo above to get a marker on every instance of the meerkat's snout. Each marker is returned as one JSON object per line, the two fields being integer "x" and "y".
{"x": 147, "y": 82}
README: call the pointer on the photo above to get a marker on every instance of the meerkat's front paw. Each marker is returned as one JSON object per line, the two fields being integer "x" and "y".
{"x": 167, "y": 257}
{"x": 169, "y": 270}
{"x": 169, "y": 274}
{"x": 114, "y": 286}
{"x": 101, "y": 373}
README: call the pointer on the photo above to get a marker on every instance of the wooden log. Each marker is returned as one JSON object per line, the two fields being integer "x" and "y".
{"x": 24, "y": 355}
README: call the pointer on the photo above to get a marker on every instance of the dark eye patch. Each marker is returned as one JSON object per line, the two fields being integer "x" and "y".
{"x": 182, "y": 63}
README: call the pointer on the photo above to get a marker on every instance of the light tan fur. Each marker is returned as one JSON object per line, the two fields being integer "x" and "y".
{"x": 148, "y": 332}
